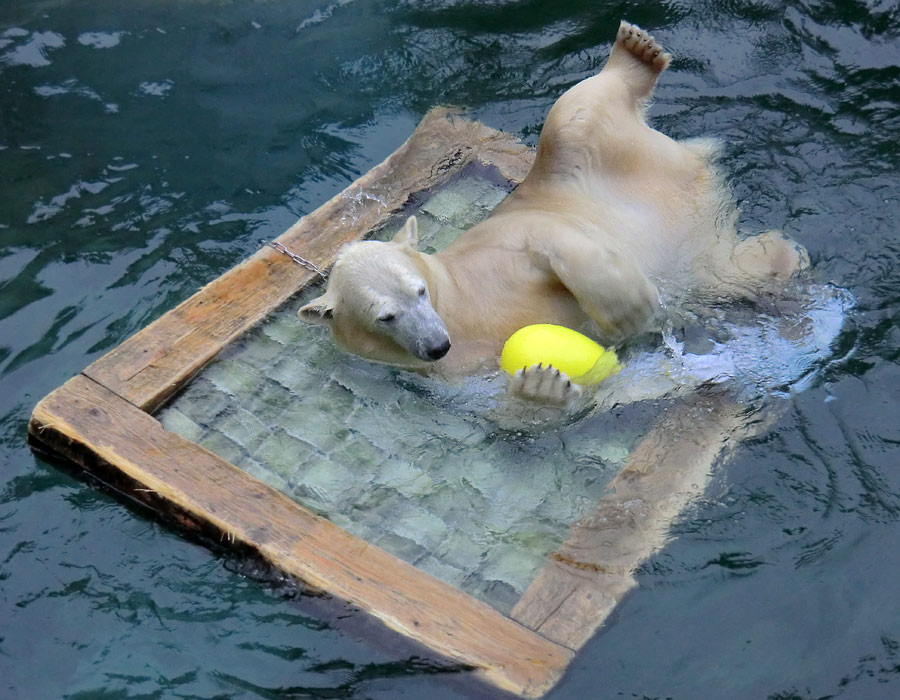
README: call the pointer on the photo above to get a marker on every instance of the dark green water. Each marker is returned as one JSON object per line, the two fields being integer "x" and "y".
{"x": 145, "y": 147}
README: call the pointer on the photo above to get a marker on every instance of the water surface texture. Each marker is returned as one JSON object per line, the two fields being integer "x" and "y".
{"x": 145, "y": 147}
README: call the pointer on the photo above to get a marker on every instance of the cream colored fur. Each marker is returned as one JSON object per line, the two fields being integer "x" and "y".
{"x": 612, "y": 216}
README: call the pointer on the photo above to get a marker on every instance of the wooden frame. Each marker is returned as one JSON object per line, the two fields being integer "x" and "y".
{"x": 101, "y": 420}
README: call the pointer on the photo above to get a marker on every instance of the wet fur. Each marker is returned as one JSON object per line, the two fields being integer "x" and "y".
{"x": 613, "y": 216}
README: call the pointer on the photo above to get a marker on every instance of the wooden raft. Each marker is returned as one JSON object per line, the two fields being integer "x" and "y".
{"x": 101, "y": 420}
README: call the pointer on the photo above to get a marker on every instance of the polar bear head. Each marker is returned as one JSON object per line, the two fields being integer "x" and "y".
{"x": 378, "y": 303}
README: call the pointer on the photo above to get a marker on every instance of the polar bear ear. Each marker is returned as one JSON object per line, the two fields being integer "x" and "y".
{"x": 319, "y": 311}
{"x": 408, "y": 235}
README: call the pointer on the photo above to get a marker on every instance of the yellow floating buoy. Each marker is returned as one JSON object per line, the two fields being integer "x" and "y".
{"x": 583, "y": 360}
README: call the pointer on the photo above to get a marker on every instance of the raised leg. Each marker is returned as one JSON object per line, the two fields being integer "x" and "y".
{"x": 627, "y": 80}
{"x": 638, "y": 59}
{"x": 599, "y": 124}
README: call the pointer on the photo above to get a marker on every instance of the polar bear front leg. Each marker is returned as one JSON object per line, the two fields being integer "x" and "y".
{"x": 611, "y": 290}
{"x": 544, "y": 384}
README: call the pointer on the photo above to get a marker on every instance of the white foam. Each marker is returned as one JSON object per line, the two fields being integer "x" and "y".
{"x": 768, "y": 355}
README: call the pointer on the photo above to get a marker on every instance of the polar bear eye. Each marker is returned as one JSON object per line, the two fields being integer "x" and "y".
{"x": 387, "y": 318}
{"x": 422, "y": 291}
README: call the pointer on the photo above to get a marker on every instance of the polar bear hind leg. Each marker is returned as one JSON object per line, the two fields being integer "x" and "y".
{"x": 598, "y": 126}
{"x": 640, "y": 59}
{"x": 769, "y": 256}
{"x": 628, "y": 78}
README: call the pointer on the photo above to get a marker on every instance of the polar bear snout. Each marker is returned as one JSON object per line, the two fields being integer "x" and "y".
{"x": 420, "y": 331}
{"x": 429, "y": 345}
{"x": 436, "y": 352}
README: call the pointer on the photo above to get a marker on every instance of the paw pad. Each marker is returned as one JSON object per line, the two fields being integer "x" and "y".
{"x": 642, "y": 46}
{"x": 544, "y": 384}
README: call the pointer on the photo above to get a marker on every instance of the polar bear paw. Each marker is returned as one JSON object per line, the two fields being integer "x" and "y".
{"x": 544, "y": 384}
{"x": 642, "y": 46}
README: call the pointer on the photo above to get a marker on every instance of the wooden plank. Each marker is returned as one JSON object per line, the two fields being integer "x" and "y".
{"x": 101, "y": 431}
{"x": 153, "y": 364}
{"x": 585, "y": 579}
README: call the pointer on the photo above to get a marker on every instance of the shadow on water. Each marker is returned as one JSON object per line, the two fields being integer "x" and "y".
{"x": 146, "y": 147}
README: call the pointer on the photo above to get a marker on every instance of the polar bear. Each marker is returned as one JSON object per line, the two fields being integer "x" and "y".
{"x": 614, "y": 221}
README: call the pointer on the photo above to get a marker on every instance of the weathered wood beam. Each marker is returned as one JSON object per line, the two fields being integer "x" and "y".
{"x": 589, "y": 574}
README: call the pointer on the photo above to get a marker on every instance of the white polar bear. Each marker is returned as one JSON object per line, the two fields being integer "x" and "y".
{"x": 612, "y": 215}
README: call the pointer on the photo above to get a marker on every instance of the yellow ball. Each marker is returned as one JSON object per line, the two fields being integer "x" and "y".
{"x": 583, "y": 360}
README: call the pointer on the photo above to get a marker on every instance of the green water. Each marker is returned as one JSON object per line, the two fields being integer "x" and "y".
{"x": 145, "y": 147}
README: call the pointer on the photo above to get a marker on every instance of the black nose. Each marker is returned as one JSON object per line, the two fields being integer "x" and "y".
{"x": 438, "y": 351}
